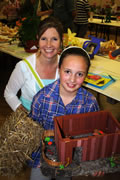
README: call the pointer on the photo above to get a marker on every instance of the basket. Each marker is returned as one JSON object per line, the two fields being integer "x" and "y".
{"x": 19, "y": 137}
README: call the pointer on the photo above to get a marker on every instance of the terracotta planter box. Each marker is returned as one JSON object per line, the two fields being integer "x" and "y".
{"x": 29, "y": 44}
{"x": 93, "y": 147}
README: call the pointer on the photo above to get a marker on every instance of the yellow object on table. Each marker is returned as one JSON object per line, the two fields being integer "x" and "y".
{"x": 69, "y": 39}
{"x": 100, "y": 82}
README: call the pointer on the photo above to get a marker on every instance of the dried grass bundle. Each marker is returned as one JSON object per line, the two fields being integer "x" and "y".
{"x": 19, "y": 137}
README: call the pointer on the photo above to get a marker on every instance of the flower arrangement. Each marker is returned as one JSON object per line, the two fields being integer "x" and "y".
{"x": 28, "y": 24}
{"x": 27, "y": 29}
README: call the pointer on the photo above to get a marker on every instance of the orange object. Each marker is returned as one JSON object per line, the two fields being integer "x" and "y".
{"x": 110, "y": 55}
{"x": 98, "y": 132}
{"x": 94, "y": 77}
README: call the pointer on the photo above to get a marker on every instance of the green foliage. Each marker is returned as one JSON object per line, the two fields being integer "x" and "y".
{"x": 28, "y": 23}
{"x": 28, "y": 29}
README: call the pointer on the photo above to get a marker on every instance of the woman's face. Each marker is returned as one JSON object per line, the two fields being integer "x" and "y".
{"x": 49, "y": 43}
{"x": 73, "y": 71}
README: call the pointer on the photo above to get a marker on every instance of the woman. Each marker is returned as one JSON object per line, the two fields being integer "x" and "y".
{"x": 44, "y": 66}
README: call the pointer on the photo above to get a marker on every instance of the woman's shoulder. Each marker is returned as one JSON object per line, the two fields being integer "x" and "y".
{"x": 31, "y": 59}
{"x": 23, "y": 65}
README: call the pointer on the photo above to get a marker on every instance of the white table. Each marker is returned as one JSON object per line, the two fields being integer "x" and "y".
{"x": 14, "y": 50}
{"x": 99, "y": 65}
{"x": 105, "y": 26}
{"x": 106, "y": 66}
{"x": 99, "y": 21}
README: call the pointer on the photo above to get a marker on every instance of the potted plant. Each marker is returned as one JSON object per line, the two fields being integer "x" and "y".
{"x": 27, "y": 31}
{"x": 28, "y": 25}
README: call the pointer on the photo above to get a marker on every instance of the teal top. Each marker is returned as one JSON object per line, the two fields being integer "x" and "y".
{"x": 26, "y": 103}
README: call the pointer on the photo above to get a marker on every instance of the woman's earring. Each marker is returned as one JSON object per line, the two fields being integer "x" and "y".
{"x": 38, "y": 52}
{"x": 61, "y": 47}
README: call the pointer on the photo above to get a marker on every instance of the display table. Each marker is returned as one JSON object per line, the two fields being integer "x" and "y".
{"x": 14, "y": 50}
{"x": 106, "y": 66}
{"x": 99, "y": 65}
{"x": 105, "y": 27}
{"x": 99, "y": 21}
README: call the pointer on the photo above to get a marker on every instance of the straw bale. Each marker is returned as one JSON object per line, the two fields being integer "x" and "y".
{"x": 19, "y": 137}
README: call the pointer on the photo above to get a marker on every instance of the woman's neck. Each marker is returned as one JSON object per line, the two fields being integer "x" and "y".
{"x": 46, "y": 68}
{"x": 47, "y": 61}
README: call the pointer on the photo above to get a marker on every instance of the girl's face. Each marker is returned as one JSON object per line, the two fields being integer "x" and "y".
{"x": 49, "y": 43}
{"x": 73, "y": 71}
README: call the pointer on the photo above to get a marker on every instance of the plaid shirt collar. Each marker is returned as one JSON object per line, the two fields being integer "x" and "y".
{"x": 54, "y": 92}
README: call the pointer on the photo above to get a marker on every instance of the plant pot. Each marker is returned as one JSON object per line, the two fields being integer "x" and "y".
{"x": 31, "y": 46}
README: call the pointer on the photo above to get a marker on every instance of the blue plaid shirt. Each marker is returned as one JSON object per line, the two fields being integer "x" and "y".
{"x": 47, "y": 104}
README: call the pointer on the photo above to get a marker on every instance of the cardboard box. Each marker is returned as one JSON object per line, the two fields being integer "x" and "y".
{"x": 93, "y": 147}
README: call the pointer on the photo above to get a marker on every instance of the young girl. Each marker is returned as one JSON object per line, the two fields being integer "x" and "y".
{"x": 66, "y": 95}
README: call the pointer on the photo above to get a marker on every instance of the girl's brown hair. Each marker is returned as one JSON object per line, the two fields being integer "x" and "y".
{"x": 77, "y": 51}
